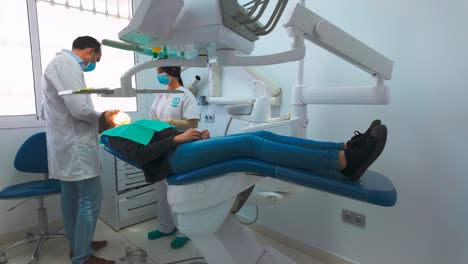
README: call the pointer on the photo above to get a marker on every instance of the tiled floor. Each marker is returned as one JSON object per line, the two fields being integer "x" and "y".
{"x": 159, "y": 252}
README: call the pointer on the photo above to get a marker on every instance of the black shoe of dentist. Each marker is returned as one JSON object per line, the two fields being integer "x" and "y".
{"x": 359, "y": 136}
{"x": 363, "y": 152}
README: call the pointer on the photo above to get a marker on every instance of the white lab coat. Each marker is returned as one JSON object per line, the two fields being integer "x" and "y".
{"x": 176, "y": 106}
{"x": 71, "y": 122}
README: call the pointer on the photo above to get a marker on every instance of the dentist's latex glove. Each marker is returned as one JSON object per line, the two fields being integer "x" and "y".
{"x": 188, "y": 136}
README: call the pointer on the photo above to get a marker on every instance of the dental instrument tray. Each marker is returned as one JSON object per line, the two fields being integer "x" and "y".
{"x": 111, "y": 91}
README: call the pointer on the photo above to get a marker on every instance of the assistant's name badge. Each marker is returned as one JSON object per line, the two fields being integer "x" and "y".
{"x": 175, "y": 102}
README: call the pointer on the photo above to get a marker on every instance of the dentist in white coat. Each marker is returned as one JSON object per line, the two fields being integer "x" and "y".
{"x": 72, "y": 146}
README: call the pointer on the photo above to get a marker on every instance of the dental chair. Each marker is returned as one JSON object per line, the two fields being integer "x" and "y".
{"x": 205, "y": 200}
{"x": 32, "y": 158}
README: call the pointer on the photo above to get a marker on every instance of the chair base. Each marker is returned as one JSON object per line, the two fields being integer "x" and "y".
{"x": 42, "y": 235}
{"x": 41, "y": 238}
{"x": 233, "y": 244}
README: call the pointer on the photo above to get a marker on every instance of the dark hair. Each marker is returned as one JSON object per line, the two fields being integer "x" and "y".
{"x": 105, "y": 120}
{"x": 174, "y": 72}
{"x": 85, "y": 42}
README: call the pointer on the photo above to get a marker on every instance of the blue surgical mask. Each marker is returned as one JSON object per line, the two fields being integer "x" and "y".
{"x": 91, "y": 65}
{"x": 163, "y": 79}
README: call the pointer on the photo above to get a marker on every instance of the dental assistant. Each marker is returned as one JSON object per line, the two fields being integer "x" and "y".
{"x": 72, "y": 146}
{"x": 180, "y": 110}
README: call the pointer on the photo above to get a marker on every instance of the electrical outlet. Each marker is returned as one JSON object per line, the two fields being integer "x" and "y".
{"x": 209, "y": 117}
{"x": 353, "y": 218}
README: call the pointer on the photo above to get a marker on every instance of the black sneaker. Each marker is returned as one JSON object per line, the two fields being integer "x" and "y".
{"x": 359, "y": 136}
{"x": 362, "y": 153}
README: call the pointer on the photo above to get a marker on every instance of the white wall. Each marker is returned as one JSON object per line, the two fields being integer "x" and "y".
{"x": 427, "y": 121}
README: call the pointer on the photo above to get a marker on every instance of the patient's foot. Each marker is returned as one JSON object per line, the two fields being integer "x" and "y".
{"x": 363, "y": 152}
{"x": 158, "y": 234}
{"x": 179, "y": 242}
{"x": 359, "y": 136}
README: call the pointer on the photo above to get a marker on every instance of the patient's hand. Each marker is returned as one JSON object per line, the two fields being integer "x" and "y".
{"x": 205, "y": 134}
{"x": 188, "y": 136}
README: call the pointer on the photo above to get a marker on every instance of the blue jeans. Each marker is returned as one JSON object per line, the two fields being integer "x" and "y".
{"x": 81, "y": 201}
{"x": 262, "y": 145}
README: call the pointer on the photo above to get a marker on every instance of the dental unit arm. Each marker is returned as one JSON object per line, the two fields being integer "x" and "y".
{"x": 308, "y": 25}
{"x": 303, "y": 22}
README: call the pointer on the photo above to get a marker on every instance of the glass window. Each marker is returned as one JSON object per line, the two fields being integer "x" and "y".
{"x": 16, "y": 71}
{"x": 59, "y": 26}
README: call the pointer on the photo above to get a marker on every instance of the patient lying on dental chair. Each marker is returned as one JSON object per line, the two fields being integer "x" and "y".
{"x": 162, "y": 150}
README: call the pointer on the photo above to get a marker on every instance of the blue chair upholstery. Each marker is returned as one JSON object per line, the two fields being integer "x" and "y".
{"x": 372, "y": 187}
{"x": 32, "y": 158}
{"x": 31, "y": 189}
{"x": 32, "y": 155}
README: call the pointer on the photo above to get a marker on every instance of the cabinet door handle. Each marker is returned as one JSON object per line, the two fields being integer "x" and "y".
{"x": 133, "y": 183}
{"x": 131, "y": 209}
{"x": 137, "y": 195}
